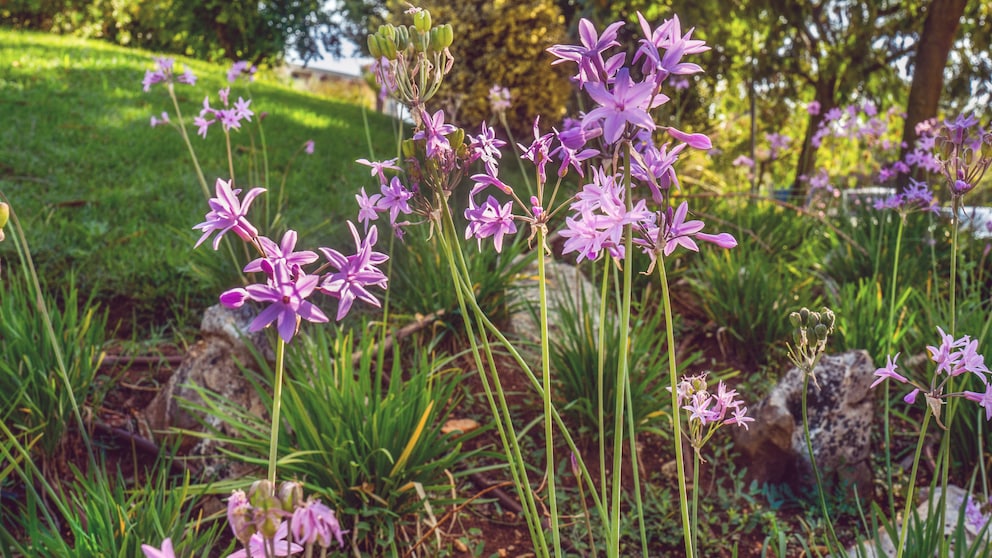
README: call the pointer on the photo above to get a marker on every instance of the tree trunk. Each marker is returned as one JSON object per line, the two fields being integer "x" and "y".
{"x": 936, "y": 40}
{"x": 825, "y": 89}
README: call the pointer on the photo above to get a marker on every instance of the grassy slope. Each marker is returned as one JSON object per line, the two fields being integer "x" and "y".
{"x": 106, "y": 197}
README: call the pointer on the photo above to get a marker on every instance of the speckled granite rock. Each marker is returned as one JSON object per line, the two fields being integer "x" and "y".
{"x": 212, "y": 363}
{"x": 840, "y": 421}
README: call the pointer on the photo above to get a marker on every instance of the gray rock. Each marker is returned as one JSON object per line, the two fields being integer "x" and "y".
{"x": 840, "y": 423}
{"x": 212, "y": 364}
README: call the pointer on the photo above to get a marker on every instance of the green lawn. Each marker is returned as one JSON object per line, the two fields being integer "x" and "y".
{"x": 104, "y": 196}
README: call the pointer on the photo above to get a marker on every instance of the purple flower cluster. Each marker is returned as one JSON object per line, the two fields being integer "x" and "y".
{"x": 916, "y": 197}
{"x": 241, "y": 68}
{"x": 708, "y": 410}
{"x": 230, "y": 117}
{"x": 287, "y": 524}
{"x": 287, "y": 285}
{"x": 965, "y": 153}
{"x": 164, "y": 73}
{"x": 953, "y": 358}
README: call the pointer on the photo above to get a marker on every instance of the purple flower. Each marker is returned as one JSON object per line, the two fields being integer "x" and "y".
{"x": 241, "y": 109}
{"x": 282, "y": 252}
{"x": 984, "y": 400}
{"x": 313, "y": 522}
{"x": 679, "y": 232}
{"x": 395, "y": 199}
{"x": 367, "y": 207}
{"x": 241, "y": 67}
{"x": 491, "y": 219}
{"x": 279, "y": 545}
{"x": 227, "y": 213}
{"x": 669, "y": 37}
{"x": 537, "y": 151}
{"x": 434, "y": 133}
{"x": 157, "y": 122}
{"x": 286, "y": 296}
{"x": 696, "y": 141}
{"x": 627, "y": 103}
{"x": 378, "y": 167}
{"x": 354, "y": 273}
{"x": 499, "y": 98}
{"x": 888, "y": 371}
{"x": 166, "y": 551}
{"x": 946, "y": 359}
{"x": 571, "y": 157}
{"x": 239, "y": 516}
{"x": 743, "y": 161}
{"x": 911, "y": 396}
{"x": 308, "y": 147}
{"x": 486, "y": 146}
{"x": 165, "y": 73}
{"x": 589, "y": 56}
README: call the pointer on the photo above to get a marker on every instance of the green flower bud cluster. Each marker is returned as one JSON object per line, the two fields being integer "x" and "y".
{"x": 810, "y": 334}
{"x": 412, "y": 59}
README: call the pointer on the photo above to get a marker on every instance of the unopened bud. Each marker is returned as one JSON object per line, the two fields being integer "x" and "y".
{"x": 804, "y": 315}
{"x": 402, "y": 38}
{"x": 794, "y": 319}
{"x": 422, "y": 21}
{"x": 821, "y": 331}
{"x": 290, "y": 495}
{"x": 4, "y": 214}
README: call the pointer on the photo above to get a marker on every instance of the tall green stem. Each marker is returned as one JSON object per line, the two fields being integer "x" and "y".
{"x": 904, "y": 531}
{"x": 192, "y": 153}
{"x": 673, "y": 380}
{"x": 276, "y": 408}
{"x": 812, "y": 461}
{"x": 622, "y": 365}
{"x": 448, "y": 239}
{"x": 549, "y": 440}
{"x": 889, "y": 334}
{"x": 695, "y": 498}
{"x": 600, "y": 373}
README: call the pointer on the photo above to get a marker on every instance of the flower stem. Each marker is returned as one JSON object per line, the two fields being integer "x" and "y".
{"x": 276, "y": 407}
{"x": 189, "y": 145}
{"x": 904, "y": 530}
{"x": 621, "y": 383}
{"x": 676, "y": 423}
{"x": 549, "y": 441}
{"x": 889, "y": 334}
{"x": 812, "y": 460}
{"x": 695, "y": 498}
{"x": 600, "y": 372}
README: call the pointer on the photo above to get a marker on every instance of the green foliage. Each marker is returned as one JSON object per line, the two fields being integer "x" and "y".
{"x": 364, "y": 437}
{"x": 113, "y": 517}
{"x": 420, "y": 282}
{"x": 33, "y": 399}
{"x": 503, "y": 43}
{"x": 575, "y": 358}
{"x": 862, "y": 318}
{"x": 748, "y": 294}
{"x": 105, "y": 197}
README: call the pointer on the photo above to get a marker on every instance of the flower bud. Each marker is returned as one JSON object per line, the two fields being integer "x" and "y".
{"x": 794, "y": 319}
{"x": 387, "y": 31}
{"x": 804, "y": 315}
{"x": 374, "y": 50}
{"x": 821, "y": 332}
{"x": 422, "y": 21}
{"x": 402, "y": 38}
{"x": 4, "y": 214}
{"x": 290, "y": 495}
{"x": 446, "y": 36}
{"x": 261, "y": 493}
